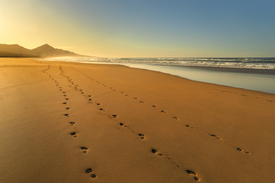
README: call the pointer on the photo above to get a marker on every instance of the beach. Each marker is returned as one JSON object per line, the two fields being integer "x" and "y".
{"x": 76, "y": 122}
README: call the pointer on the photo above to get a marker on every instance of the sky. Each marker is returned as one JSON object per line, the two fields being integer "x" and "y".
{"x": 143, "y": 28}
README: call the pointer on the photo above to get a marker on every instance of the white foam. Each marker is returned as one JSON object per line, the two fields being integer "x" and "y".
{"x": 252, "y": 63}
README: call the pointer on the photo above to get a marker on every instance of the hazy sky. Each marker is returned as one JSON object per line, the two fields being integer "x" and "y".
{"x": 143, "y": 28}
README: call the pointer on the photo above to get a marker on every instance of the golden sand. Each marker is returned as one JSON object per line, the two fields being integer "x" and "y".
{"x": 69, "y": 122}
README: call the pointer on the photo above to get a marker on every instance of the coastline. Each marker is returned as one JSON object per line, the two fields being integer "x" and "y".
{"x": 150, "y": 126}
{"x": 262, "y": 80}
{"x": 238, "y": 70}
{"x": 250, "y": 79}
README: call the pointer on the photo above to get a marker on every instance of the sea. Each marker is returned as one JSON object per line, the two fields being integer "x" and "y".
{"x": 247, "y": 73}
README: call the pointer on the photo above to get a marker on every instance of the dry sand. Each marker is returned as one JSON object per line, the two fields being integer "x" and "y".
{"x": 68, "y": 122}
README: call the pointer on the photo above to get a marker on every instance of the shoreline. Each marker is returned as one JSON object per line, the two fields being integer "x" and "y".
{"x": 82, "y": 120}
{"x": 263, "y": 79}
{"x": 237, "y": 70}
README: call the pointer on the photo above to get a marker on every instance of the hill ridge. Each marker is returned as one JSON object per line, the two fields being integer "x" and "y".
{"x": 46, "y": 50}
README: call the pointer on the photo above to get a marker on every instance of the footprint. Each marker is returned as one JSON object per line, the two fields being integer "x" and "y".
{"x": 141, "y": 135}
{"x": 93, "y": 175}
{"x": 154, "y": 151}
{"x": 212, "y": 135}
{"x": 73, "y": 134}
{"x": 153, "y": 106}
{"x": 67, "y": 98}
{"x": 189, "y": 126}
{"x": 241, "y": 150}
{"x": 163, "y": 111}
{"x": 97, "y": 103}
{"x": 72, "y": 123}
{"x": 89, "y": 170}
{"x": 114, "y": 116}
{"x": 175, "y": 117}
{"x": 64, "y": 102}
{"x": 66, "y": 115}
{"x": 160, "y": 154}
{"x": 121, "y": 124}
{"x": 85, "y": 149}
{"x": 190, "y": 172}
{"x": 67, "y": 108}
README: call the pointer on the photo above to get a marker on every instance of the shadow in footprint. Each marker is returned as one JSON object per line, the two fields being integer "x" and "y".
{"x": 73, "y": 134}
{"x": 241, "y": 150}
{"x": 85, "y": 149}
{"x": 189, "y": 126}
{"x": 89, "y": 170}
{"x": 141, "y": 135}
{"x": 154, "y": 151}
{"x": 190, "y": 172}
{"x": 212, "y": 135}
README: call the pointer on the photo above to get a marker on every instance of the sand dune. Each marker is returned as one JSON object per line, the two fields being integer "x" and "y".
{"x": 69, "y": 122}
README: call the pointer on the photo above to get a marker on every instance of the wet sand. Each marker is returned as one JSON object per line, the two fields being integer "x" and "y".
{"x": 71, "y": 122}
{"x": 249, "y": 79}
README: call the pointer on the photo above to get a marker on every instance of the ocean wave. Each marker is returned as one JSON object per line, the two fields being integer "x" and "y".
{"x": 251, "y": 63}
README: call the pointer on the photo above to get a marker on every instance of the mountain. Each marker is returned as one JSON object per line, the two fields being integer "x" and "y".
{"x": 14, "y": 50}
{"x": 45, "y": 50}
{"x": 48, "y": 51}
